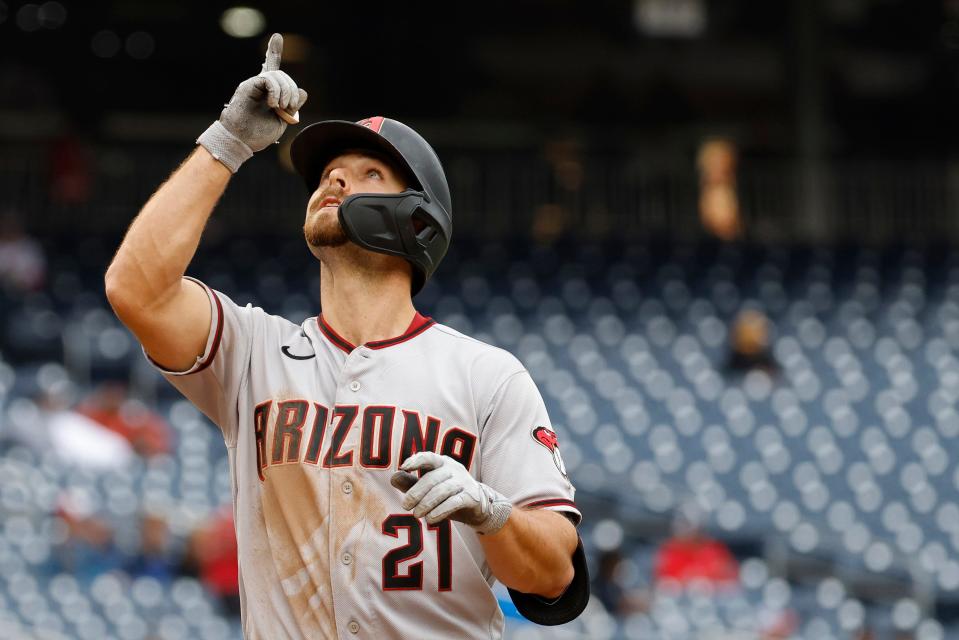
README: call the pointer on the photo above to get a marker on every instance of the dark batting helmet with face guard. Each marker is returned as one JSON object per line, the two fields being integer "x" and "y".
{"x": 416, "y": 224}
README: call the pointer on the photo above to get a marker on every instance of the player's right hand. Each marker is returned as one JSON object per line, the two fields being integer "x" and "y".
{"x": 248, "y": 122}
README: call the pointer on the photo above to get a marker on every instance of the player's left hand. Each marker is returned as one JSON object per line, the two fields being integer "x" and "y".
{"x": 448, "y": 491}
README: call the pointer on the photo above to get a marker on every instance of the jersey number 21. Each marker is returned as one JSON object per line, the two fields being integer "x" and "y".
{"x": 393, "y": 580}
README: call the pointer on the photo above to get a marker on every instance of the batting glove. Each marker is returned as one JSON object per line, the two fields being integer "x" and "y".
{"x": 248, "y": 123}
{"x": 448, "y": 491}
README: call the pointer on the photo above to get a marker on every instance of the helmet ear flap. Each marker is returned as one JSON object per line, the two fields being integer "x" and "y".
{"x": 424, "y": 226}
{"x": 398, "y": 224}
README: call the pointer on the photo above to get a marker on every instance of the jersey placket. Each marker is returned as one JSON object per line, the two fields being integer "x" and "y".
{"x": 345, "y": 517}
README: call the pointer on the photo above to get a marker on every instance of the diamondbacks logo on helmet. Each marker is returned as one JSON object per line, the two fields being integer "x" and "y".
{"x": 375, "y": 123}
{"x": 548, "y": 439}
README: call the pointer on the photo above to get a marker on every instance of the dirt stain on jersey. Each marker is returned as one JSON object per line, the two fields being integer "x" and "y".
{"x": 357, "y": 514}
{"x": 295, "y": 505}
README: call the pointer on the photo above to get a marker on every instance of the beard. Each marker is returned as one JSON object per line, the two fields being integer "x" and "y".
{"x": 324, "y": 231}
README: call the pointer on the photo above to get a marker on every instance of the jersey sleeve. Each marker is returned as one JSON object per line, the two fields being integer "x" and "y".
{"x": 214, "y": 381}
{"x": 520, "y": 453}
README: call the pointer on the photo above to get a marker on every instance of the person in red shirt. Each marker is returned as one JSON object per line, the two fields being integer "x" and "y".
{"x": 692, "y": 556}
{"x": 211, "y": 555}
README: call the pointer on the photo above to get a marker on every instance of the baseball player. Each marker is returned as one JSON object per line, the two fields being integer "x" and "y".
{"x": 386, "y": 469}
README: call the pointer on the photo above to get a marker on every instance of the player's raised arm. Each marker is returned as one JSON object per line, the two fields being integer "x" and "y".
{"x": 169, "y": 315}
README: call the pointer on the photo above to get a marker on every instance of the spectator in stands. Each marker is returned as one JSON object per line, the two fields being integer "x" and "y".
{"x": 78, "y": 440}
{"x": 608, "y": 587}
{"x": 110, "y": 406}
{"x": 211, "y": 555}
{"x": 23, "y": 265}
{"x": 718, "y": 202}
{"x": 52, "y": 426}
{"x": 552, "y": 219}
{"x": 749, "y": 345}
{"x": 156, "y": 557}
{"x": 88, "y": 548}
{"x": 690, "y": 556}
{"x": 550, "y": 222}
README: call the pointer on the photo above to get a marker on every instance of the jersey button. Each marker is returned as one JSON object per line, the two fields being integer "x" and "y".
{"x": 355, "y": 385}
{"x": 347, "y": 487}
{"x": 347, "y": 558}
{"x": 354, "y": 626}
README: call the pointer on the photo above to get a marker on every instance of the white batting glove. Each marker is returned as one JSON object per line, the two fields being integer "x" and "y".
{"x": 448, "y": 491}
{"x": 249, "y": 121}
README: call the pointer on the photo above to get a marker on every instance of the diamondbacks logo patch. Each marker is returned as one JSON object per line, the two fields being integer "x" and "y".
{"x": 548, "y": 439}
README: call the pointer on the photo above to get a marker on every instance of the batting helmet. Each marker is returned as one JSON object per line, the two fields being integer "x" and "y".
{"x": 378, "y": 221}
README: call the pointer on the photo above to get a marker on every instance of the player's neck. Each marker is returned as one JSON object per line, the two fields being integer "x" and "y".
{"x": 368, "y": 303}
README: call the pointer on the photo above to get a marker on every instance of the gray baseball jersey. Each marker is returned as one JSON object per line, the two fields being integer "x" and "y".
{"x": 315, "y": 427}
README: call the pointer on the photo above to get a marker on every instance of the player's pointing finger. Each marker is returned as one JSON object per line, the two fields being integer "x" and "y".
{"x": 274, "y": 51}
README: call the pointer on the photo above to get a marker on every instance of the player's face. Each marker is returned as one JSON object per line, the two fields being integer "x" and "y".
{"x": 345, "y": 175}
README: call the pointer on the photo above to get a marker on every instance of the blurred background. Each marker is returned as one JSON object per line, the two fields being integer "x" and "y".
{"x": 721, "y": 235}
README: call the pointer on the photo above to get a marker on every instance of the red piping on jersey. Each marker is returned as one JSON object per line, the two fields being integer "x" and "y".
{"x": 554, "y": 502}
{"x": 216, "y": 336}
{"x": 419, "y": 324}
{"x": 333, "y": 336}
{"x": 219, "y": 332}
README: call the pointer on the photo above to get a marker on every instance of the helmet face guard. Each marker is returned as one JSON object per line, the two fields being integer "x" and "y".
{"x": 401, "y": 224}
{"x": 415, "y": 225}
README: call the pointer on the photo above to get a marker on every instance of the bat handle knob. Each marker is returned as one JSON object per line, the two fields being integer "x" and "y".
{"x": 287, "y": 117}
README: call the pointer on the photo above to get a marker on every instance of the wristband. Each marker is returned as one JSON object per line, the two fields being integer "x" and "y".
{"x": 500, "y": 509}
{"x": 224, "y": 146}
